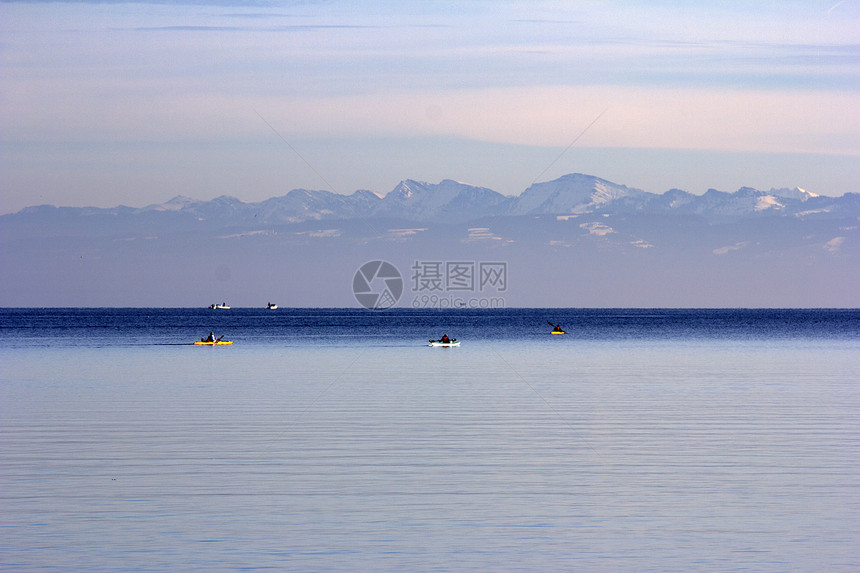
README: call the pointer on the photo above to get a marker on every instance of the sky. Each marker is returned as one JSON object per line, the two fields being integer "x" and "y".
{"x": 105, "y": 103}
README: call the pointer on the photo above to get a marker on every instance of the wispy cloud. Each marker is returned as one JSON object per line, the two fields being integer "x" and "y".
{"x": 744, "y": 78}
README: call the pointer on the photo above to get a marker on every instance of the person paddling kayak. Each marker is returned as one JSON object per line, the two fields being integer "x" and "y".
{"x": 445, "y": 341}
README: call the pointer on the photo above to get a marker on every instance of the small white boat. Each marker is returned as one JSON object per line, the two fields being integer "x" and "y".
{"x": 272, "y": 306}
{"x": 223, "y": 305}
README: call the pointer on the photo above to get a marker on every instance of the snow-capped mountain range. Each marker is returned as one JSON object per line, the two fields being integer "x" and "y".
{"x": 455, "y": 202}
{"x": 576, "y": 241}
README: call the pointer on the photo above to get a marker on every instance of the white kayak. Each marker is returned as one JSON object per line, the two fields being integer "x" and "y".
{"x": 454, "y": 342}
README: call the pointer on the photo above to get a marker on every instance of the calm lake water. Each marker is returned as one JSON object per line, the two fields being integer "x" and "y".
{"x": 337, "y": 440}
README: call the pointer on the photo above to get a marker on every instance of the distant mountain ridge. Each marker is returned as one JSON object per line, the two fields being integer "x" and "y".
{"x": 445, "y": 202}
{"x": 578, "y": 240}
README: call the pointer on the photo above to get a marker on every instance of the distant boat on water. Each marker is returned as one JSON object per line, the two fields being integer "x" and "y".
{"x": 271, "y": 306}
{"x": 223, "y": 305}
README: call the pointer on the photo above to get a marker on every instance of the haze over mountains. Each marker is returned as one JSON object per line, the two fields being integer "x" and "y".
{"x": 576, "y": 241}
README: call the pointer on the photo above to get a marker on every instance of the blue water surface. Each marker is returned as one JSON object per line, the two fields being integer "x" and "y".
{"x": 337, "y": 440}
{"x": 397, "y": 327}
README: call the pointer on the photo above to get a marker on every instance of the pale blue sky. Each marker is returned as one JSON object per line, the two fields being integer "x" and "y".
{"x": 106, "y": 103}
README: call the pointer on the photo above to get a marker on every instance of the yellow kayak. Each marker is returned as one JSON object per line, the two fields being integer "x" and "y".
{"x": 557, "y": 332}
{"x": 217, "y": 342}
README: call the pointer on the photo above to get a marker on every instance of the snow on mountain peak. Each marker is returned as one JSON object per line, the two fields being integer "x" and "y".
{"x": 767, "y": 202}
{"x": 366, "y": 193}
{"x": 176, "y": 204}
{"x": 448, "y": 200}
{"x": 406, "y": 189}
{"x": 572, "y": 193}
{"x": 794, "y": 193}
